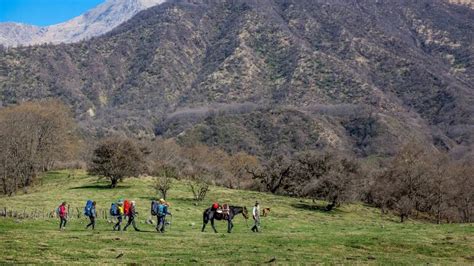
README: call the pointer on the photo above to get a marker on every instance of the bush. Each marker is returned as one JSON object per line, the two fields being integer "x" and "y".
{"x": 117, "y": 158}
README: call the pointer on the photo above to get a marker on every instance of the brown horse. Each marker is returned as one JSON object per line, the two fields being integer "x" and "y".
{"x": 212, "y": 214}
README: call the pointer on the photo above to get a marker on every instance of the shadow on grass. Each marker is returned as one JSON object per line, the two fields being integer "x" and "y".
{"x": 100, "y": 187}
{"x": 315, "y": 207}
{"x": 183, "y": 200}
{"x": 149, "y": 198}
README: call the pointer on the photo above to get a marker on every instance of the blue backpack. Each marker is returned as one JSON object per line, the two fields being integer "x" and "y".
{"x": 114, "y": 211}
{"x": 88, "y": 208}
{"x": 162, "y": 210}
{"x": 154, "y": 208}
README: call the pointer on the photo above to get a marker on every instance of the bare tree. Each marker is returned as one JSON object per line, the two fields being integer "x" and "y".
{"x": 199, "y": 187}
{"x": 406, "y": 184}
{"x": 462, "y": 176}
{"x": 165, "y": 173}
{"x": 33, "y": 136}
{"x": 238, "y": 165}
{"x": 327, "y": 176}
{"x": 162, "y": 185}
{"x": 274, "y": 174}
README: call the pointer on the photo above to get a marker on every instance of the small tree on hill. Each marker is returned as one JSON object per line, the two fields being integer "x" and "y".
{"x": 116, "y": 159}
{"x": 164, "y": 179}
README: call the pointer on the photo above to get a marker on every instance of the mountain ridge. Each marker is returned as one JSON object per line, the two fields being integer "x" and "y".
{"x": 94, "y": 22}
{"x": 353, "y": 75}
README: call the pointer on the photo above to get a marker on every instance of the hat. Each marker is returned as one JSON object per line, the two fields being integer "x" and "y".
{"x": 162, "y": 201}
{"x": 132, "y": 202}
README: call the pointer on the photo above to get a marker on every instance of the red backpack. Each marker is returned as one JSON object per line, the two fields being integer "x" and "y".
{"x": 126, "y": 207}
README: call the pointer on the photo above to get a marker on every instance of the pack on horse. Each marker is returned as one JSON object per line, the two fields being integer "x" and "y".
{"x": 226, "y": 213}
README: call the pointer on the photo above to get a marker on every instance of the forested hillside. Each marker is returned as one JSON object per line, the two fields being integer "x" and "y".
{"x": 263, "y": 76}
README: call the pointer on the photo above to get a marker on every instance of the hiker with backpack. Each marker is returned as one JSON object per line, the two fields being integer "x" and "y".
{"x": 116, "y": 210}
{"x": 131, "y": 213}
{"x": 62, "y": 213}
{"x": 161, "y": 212}
{"x": 256, "y": 217}
{"x": 89, "y": 211}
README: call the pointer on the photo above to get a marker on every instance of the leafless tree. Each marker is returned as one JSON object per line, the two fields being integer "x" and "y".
{"x": 328, "y": 177}
{"x": 163, "y": 184}
{"x": 274, "y": 174}
{"x": 33, "y": 136}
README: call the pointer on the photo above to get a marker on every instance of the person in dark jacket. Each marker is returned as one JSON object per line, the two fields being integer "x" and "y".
{"x": 131, "y": 217}
{"x": 62, "y": 212}
{"x": 92, "y": 216}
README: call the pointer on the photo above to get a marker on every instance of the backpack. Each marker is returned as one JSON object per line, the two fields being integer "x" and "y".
{"x": 57, "y": 210}
{"x": 126, "y": 207}
{"x": 114, "y": 211}
{"x": 162, "y": 210}
{"x": 88, "y": 208}
{"x": 154, "y": 208}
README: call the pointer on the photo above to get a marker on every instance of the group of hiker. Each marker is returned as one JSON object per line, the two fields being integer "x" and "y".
{"x": 118, "y": 210}
{"x": 126, "y": 208}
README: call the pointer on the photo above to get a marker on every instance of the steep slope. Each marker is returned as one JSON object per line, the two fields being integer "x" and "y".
{"x": 354, "y": 75}
{"x": 95, "y": 22}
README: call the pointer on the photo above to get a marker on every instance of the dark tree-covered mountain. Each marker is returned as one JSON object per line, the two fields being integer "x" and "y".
{"x": 268, "y": 75}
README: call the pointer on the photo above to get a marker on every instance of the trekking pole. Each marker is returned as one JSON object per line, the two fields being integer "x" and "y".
{"x": 171, "y": 220}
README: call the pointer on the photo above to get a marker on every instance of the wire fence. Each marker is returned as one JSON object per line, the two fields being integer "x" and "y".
{"x": 73, "y": 213}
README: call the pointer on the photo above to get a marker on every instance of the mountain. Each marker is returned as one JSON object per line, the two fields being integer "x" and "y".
{"x": 469, "y": 3}
{"x": 268, "y": 76}
{"x": 93, "y": 23}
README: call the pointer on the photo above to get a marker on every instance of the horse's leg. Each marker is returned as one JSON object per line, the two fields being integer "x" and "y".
{"x": 205, "y": 220}
{"x": 230, "y": 225}
{"x": 213, "y": 226}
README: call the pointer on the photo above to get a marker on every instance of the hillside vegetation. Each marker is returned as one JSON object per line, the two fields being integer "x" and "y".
{"x": 360, "y": 76}
{"x": 295, "y": 231}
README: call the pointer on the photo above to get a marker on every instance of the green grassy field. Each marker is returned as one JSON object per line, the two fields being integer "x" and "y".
{"x": 293, "y": 233}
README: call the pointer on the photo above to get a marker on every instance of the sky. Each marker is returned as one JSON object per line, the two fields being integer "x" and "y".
{"x": 43, "y": 12}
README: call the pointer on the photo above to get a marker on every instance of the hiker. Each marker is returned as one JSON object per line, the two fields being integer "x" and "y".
{"x": 256, "y": 217}
{"x": 62, "y": 212}
{"x": 90, "y": 212}
{"x": 117, "y": 212}
{"x": 161, "y": 215}
{"x": 131, "y": 216}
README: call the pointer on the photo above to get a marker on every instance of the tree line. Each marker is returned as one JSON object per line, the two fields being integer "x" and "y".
{"x": 418, "y": 182}
{"x": 33, "y": 136}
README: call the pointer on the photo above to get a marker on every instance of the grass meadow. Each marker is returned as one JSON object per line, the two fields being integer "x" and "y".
{"x": 294, "y": 232}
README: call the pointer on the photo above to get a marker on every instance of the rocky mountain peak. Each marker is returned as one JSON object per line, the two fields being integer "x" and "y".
{"x": 95, "y": 22}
